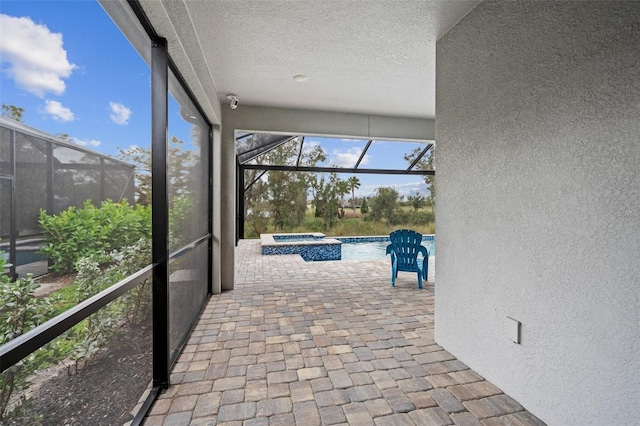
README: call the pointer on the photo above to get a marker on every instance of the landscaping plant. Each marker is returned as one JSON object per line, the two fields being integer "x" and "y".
{"x": 130, "y": 309}
{"x": 92, "y": 231}
{"x": 21, "y": 311}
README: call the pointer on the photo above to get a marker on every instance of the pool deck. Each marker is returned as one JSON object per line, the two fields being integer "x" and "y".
{"x": 324, "y": 343}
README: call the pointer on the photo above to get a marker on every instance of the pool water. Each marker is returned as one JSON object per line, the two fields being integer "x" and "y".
{"x": 24, "y": 257}
{"x": 314, "y": 246}
{"x": 294, "y": 238}
{"x": 375, "y": 250}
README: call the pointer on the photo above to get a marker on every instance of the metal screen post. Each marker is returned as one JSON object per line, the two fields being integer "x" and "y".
{"x": 240, "y": 204}
{"x": 50, "y": 176}
{"x": 160, "y": 211}
{"x": 13, "y": 217}
{"x": 210, "y": 213}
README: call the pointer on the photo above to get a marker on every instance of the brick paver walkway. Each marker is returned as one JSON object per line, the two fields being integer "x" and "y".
{"x": 324, "y": 343}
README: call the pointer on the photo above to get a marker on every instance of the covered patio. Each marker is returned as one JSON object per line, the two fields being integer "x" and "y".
{"x": 313, "y": 343}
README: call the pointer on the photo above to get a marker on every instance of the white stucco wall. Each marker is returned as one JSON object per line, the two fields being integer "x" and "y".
{"x": 538, "y": 159}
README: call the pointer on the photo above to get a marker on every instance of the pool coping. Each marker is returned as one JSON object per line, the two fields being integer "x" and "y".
{"x": 315, "y": 250}
{"x": 267, "y": 240}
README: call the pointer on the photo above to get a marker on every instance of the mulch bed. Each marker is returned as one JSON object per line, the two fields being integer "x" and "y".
{"x": 104, "y": 391}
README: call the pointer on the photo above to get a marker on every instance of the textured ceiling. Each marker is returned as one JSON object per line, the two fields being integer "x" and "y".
{"x": 373, "y": 57}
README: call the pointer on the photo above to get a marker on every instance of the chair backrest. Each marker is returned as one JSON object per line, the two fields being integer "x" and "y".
{"x": 406, "y": 244}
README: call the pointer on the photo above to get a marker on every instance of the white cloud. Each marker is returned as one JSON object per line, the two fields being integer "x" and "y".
{"x": 409, "y": 185}
{"x": 85, "y": 142}
{"x": 119, "y": 113}
{"x": 132, "y": 149}
{"x": 37, "y": 61}
{"x": 347, "y": 158}
{"x": 58, "y": 112}
{"x": 404, "y": 189}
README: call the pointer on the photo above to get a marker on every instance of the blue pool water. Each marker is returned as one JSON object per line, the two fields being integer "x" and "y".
{"x": 374, "y": 249}
{"x": 281, "y": 238}
{"x": 352, "y": 248}
{"x": 26, "y": 256}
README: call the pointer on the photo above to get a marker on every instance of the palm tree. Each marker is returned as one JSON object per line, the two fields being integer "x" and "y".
{"x": 353, "y": 183}
{"x": 342, "y": 188}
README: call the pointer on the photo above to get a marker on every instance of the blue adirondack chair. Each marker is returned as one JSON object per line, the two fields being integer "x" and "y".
{"x": 404, "y": 249}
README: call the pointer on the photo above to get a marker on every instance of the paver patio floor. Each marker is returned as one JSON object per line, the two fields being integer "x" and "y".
{"x": 324, "y": 343}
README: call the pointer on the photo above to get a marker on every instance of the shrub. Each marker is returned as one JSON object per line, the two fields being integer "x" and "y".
{"x": 95, "y": 332}
{"x": 418, "y": 217}
{"x": 21, "y": 311}
{"x": 313, "y": 224}
{"x": 91, "y": 231}
{"x": 257, "y": 223}
{"x": 400, "y": 216}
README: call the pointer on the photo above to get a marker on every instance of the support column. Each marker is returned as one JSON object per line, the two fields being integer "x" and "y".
{"x": 160, "y": 211}
{"x": 227, "y": 207}
{"x": 240, "y": 200}
{"x": 216, "y": 229}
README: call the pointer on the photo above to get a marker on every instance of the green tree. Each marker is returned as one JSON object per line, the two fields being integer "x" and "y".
{"x": 417, "y": 201}
{"x": 256, "y": 202}
{"x": 328, "y": 201}
{"x": 364, "y": 207}
{"x": 181, "y": 162}
{"x": 426, "y": 163}
{"x": 141, "y": 158}
{"x": 385, "y": 204}
{"x": 287, "y": 191}
{"x": 282, "y": 187}
{"x": 12, "y": 111}
{"x": 342, "y": 188}
{"x": 354, "y": 183}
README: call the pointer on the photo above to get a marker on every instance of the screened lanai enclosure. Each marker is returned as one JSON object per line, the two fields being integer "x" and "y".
{"x": 258, "y": 154}
{"x": 39, "y": 171}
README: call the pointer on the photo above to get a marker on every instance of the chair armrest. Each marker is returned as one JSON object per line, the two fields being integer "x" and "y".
{"x": 424, "y": 251}
{"x": 394, "y": 256}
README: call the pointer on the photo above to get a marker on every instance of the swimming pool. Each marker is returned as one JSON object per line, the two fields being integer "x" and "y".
{"x": 371, "y": 248}
{"x": 315, "y": 247}
{"x": 24, "y": 257}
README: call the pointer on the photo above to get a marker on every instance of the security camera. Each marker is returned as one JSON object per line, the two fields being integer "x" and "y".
{"x": 234, "y": 101}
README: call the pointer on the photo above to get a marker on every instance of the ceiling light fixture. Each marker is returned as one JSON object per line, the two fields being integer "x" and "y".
{"x": 300, "y": 78}
{"x": 234, "y": 101}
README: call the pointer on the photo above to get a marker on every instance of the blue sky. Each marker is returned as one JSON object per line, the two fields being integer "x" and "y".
{"x": 73, "y": 72}
{"x": 380, "y": 155}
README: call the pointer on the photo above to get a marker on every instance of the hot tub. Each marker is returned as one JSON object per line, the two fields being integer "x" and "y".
{"x": 311, "y": 246}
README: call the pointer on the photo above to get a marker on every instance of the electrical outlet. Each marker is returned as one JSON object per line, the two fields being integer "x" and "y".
{"x": 513, "y": 328}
